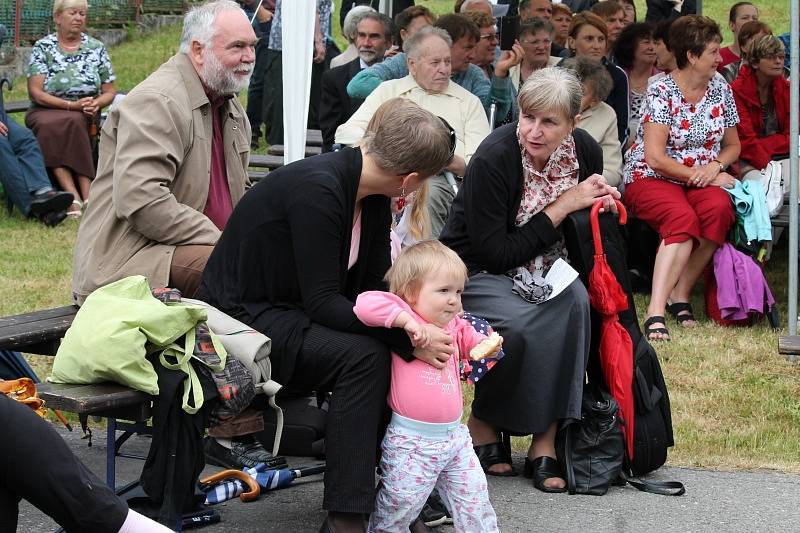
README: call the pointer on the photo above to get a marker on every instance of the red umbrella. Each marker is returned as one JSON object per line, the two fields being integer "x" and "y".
{"x": 616, "y": 348}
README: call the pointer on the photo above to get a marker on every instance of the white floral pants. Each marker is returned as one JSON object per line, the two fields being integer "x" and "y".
{"x": 413, "y": 465}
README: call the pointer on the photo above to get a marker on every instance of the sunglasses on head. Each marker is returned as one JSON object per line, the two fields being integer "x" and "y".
{"x": 452, "y": 136}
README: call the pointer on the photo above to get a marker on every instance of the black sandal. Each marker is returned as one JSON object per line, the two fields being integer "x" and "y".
{"x": 649, "y": 330}
{"x": 494, "y": 453}
{"x": 541, "y": 469}
{"x": 681, "y": 307}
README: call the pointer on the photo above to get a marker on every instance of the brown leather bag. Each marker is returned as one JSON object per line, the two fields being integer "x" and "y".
{"x": 23, "y": 390}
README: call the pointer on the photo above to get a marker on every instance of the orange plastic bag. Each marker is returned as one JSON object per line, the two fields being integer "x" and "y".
{"x": 23, "y": 390}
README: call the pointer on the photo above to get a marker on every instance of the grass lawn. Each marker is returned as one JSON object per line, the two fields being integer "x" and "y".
{"x": 735, "y": 401}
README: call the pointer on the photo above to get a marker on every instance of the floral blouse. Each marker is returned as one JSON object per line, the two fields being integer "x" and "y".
{"x": 540, "y": 189}
{"x": 71, "y": 75}
{"x": 695, "y": 130}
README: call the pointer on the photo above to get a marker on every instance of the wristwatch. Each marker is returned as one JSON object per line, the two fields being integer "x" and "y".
{"x": 721, "y": 166}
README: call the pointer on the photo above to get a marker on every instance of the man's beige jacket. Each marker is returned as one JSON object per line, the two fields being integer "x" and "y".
{"x": 153, "y": 177}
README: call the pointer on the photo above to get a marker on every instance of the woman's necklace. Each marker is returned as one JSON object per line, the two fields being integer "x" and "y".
{"x": 69, "y": 47}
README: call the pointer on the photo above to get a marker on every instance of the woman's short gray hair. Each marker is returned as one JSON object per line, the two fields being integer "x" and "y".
{"x": 403, "y": 138}
{"x": 413, "y": 46}
{"x": 764, "y": 47}
{"x": 351, "y": 20}
{"x": 592, "y": 74}
{"x": 198, "y": 24}
{"x": 551, "y": 89}
{"x": 60, "y": 6}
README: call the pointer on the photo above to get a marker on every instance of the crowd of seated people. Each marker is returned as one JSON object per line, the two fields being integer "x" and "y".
{"x": 626, "y": 105}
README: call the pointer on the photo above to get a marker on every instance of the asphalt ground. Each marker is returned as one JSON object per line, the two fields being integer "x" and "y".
{"x": 715, "y": 501}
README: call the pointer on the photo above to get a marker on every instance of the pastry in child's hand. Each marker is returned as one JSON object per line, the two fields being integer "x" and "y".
{"x": 487, "y": 347}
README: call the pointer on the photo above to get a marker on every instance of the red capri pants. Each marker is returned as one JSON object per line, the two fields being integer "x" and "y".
{"x": 679, "y": 213}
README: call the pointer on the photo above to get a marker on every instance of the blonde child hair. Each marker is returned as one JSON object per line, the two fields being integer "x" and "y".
{"x": 417, "y": 262}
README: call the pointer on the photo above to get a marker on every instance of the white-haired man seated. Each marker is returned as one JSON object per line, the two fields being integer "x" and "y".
{"x": 428, "y": 85}
{"x": 173, "y": 164}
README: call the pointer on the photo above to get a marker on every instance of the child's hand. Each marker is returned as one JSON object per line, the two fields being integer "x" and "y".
{"x": 419, "y": 336}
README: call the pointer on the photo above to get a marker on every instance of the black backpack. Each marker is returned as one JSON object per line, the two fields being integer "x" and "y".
{"x": 652, "y": 425}
{"x": 652, "y": 417}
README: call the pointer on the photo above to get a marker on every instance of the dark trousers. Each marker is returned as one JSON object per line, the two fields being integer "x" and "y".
{"x": 256, "y": 89}
{"x": 317, "y": 70}
{"x": 356, "y": 369}
{"x": 272, "y": 97}
{"x": 37, "y": 465}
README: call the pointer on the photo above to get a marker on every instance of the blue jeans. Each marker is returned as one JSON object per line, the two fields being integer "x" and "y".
{"x": 22, "y": 171}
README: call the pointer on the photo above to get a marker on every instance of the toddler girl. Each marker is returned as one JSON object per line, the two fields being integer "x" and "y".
{"x": 426, "y": 445}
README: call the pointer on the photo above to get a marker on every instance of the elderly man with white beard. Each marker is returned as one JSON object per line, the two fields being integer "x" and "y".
{"x": 173, "y": 161}
{"x": 173, "y": 164}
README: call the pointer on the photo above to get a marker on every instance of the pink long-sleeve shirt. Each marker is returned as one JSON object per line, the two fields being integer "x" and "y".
{"x": 418, "y": 390}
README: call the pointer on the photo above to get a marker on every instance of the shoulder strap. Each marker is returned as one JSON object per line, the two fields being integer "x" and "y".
{"x": 665, "y": 488}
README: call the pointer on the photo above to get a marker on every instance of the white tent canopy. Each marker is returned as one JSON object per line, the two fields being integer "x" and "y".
{"x": 297, "y": 34}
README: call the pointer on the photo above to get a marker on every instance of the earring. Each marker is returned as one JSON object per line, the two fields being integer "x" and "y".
{"x": 401, "y": 201}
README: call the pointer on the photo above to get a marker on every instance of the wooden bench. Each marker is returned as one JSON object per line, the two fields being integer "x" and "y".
{"x": 125, "y": 409}
{"x": 19, "y": 106}
{"x": 270, "y": 162}
{"x": 278, "y": 149}
{"x": 313, "y": 138}
{"x": 39, "y": 332}
{"x": 789, "y": 345}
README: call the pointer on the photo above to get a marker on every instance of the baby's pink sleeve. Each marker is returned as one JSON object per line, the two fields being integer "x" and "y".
{"x": 378, "y": 308}
{"x": 467, "y": 337}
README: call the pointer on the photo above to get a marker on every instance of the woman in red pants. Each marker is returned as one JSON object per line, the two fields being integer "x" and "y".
{"x": 675, "y": 170}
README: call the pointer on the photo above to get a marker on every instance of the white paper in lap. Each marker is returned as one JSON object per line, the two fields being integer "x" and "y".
{"x": 297, "y": 32}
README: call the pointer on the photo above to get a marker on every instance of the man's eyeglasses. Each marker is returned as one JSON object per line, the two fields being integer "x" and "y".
{"x": 490, "y": 37}
{"x": 452, "y": 137}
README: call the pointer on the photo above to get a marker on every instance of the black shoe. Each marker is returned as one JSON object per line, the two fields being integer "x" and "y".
{"x": 418, "y": 526}
{"x": 49, "y": 202}
{"x": 434, "y": 512}
{"x": 53, "y": 218}
{"x": 343, "y": 523}
{"x": 541, "y": 469}
{"x": 242, "y": 454}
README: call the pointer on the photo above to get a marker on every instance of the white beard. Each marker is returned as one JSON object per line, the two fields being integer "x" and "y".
{"x": 221, "y": 80}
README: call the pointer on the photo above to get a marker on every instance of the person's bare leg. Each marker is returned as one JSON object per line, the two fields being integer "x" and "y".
{"x": 66, "y": 182}
{"x": 484, "y": 433}
{"x": 670, "y": 262}
{"x": 698, "y": 260}
{"x": 544, "y": 444}
{"x": 83, "y": 186}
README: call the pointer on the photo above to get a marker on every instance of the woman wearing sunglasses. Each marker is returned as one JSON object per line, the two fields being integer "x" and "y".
{"x": 297, "y": 250}
{"x": 521, "y": 184}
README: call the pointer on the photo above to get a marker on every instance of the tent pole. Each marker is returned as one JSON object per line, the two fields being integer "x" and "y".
{"x": 794, "y": 130}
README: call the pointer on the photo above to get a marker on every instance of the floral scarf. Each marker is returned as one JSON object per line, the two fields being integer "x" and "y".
{"x": 540, "y": 189}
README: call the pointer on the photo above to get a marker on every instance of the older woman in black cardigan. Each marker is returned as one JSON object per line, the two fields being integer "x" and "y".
{"x": 297, "y": 250}
{"x": 520, "y": 185}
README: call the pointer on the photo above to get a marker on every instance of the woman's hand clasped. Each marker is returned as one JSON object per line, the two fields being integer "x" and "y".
{"x": 88, "y": 105}
{"x": 438, "y": 349}
{"x": 595, "y": 188}
{"x": 710, "y": 174}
